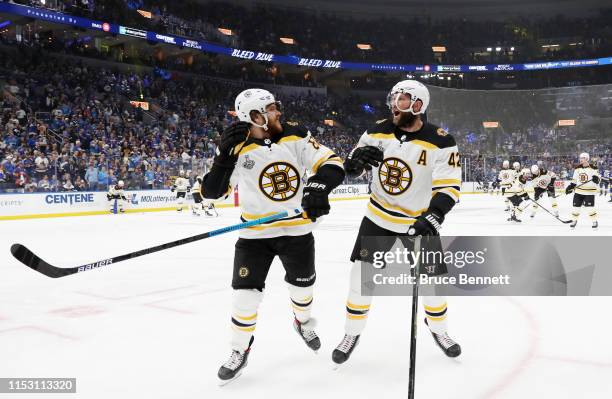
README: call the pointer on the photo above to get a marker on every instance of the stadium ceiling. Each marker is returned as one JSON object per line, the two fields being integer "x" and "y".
{"x": 490, "y": 9}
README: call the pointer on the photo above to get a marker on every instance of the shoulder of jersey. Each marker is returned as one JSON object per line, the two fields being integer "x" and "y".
{"x": 383, "y": 126}
{"x": 593, "y": 166}
{"x": 294, "y": 129}
{"x": 437, "y": 136}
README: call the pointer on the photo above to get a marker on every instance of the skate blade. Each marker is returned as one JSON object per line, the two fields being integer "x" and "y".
{"x": 225, "y": 382}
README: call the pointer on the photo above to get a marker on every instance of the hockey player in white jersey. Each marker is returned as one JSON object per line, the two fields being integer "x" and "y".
{"x": 506, "y": 177}
{"x": 519, "y": 195}
{"x": 585, "y": 182}
{"x": 416, "y": 182}
{"x": 181, "y": 186}
{"x": 270, "y": 161}
{"x": 116, "y": 195}
{"x": 543, "y": 181}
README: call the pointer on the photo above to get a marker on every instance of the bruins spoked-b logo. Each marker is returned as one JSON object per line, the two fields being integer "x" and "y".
{"x": 279, "y": 181}
{"x": 395, "y": 176}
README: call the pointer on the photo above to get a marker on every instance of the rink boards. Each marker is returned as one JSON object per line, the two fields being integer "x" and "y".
{"x": 48, "y": 205}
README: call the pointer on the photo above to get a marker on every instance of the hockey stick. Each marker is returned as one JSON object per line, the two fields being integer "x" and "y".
{"x": 578, "y": 186}
{"x": 549, "y": 212}
{"x": 31, "y": 260}
{"x": 415, "y": 316}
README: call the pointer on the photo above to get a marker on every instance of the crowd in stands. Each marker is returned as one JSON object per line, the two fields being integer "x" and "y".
{"x": 330, "y": 36}
{"x": 66, "y": 125}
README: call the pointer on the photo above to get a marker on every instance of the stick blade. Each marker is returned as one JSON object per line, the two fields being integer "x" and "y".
{"x": 31, "y": 260}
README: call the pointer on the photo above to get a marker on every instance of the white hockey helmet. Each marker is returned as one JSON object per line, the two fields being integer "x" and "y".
{"x": 253, "y": 100}
{"x": 516, "y": 166}
{"x": 526, "y": 172}
{"x": 584, "y": 157}
{"x": 506, "y": 164}
{"x": 120, "y": 183}
{"x": 535, "y": 169}
{"x": 415, "y": 89}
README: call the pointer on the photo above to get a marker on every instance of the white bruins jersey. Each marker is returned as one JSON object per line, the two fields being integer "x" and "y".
{"x": 520, "y": 180}
{"x": 116, "y": 192}
{"x": 196, "y": 186}
{"x": 181, "y": 184}
{"x": 416, "y": 166}
{"x": 507, "y": 177}
{"x": 542, "y": 180}
{"x": 583, "y": 175}
{"x": 271, "y": 174}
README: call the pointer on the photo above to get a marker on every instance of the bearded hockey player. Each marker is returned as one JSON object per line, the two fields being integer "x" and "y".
{"x": 116, "y": 196}
{"x": 543, "y": 181}
{"x": 416, "y": 182}
{"x": 584, "y": 184}
{"x": 181, "y": 186}
{"x": 269, "y": 160}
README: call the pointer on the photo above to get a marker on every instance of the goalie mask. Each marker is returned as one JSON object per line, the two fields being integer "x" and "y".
{"x": 416, "y": 90}
{"x": 254, "y": 100}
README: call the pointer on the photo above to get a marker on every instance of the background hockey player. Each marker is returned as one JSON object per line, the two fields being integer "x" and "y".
{"x": 199, "y": 204}
{"x": 116, "y": 197}
{"x": 518, "y": 193}
{"x": 181, "y": 186}
{"x": 416, "y": 182}
{"x": 506, "y": 177}
{"x": 604, "y": 185}
{"x": 585, "y": 183}
{"x": 543, "y": 181}
{"x": 268, "y": 160}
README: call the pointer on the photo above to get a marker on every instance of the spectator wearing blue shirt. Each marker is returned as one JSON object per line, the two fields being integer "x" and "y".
{"x": 91, "y": 176}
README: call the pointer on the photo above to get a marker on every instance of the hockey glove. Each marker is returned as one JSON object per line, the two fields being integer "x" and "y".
{"x": 596, "y": 179}
{"x": 231, "y": 137}
{"x": 428, "y": 224}
{"x": 172, "y": 189}
{"x": 362, "y": 158}
{"x": 570, "y": 188}
{"x": 109, "y": 197}
{"x": 315, "y": 201}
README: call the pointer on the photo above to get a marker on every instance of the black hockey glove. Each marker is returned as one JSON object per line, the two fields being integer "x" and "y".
{"x": 315, "y": 201}
{"x": 109, "y": 197}
{"x": 596, "y": 179}
{"x": 230, "y": 138}
{"x": 172, "y": 189}
{"x": 428, "y": 224}
{"x": 570, "y": 188}
{"x": 362, "y": 158}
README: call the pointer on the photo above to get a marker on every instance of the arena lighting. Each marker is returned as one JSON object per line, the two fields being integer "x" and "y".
{"x": 438, "y": 49}
{"x": 146, "y": 14}
{"x": 362, "y": 46}
{"x": 490, "y": 124}
{"x": 328, "y": 122}
{"x": 287, "y": 40}
{"x": 511, "y": 48}
{"x": 566, "y": 122}
{"x": 4, "y": 24}
{"x": 549, "y": 45}
{"x": 497, "y": 48}
{"x": 489, "y": 49}
{"x": 140, "y": 104}
{"x": 226, "y": 32}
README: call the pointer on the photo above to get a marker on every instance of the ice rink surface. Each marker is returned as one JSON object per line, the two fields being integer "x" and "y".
{"x": 158, "y": 326}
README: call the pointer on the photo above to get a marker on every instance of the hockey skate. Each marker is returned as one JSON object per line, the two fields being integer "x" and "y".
{"x": 513, "y": 218}
{"x": 306, "y": 331}
{"x": 595, "y": 225}
{"x": 343, "y": 351}
{"x": 573, "y": 224}
{"x": 446, "y": 343}
{"x": 210, "y": 211}
{"x": 232, "y": 368}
